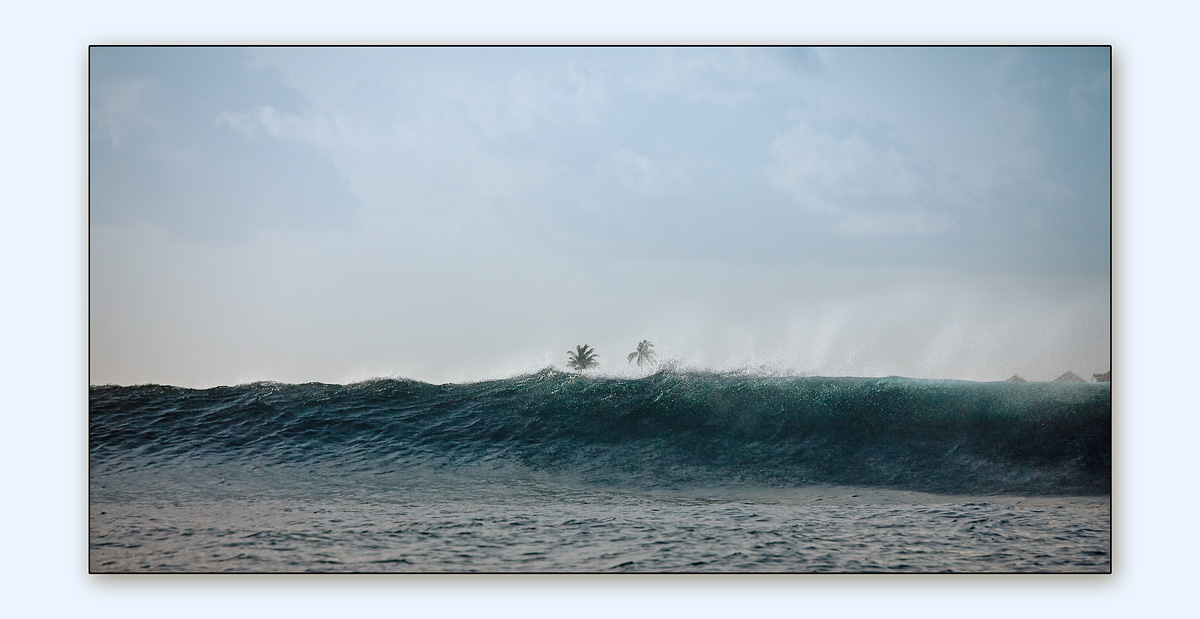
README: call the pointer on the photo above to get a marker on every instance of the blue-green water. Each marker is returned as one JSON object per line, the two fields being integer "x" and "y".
{"x": 552, "y": 472}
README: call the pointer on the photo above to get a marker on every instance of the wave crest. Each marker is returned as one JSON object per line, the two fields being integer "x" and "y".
{"x": 666, "y": 428}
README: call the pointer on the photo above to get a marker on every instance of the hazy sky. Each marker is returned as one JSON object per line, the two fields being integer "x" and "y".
{"x": 449, "y": 214}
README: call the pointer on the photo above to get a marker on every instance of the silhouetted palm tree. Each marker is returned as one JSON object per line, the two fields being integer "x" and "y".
{"x": 643, "y": 354}
{"x": 582, "y": 359}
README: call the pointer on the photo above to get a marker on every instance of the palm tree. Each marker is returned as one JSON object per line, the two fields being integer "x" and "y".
{"x": 643, "y": 354}
{"x": 582, "y": 359}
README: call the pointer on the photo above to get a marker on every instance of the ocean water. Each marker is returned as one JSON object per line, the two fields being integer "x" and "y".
{"x": 554, "y": 472}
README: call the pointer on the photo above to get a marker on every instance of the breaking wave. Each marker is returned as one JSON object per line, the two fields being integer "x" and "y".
{"x": 671, "y": 428}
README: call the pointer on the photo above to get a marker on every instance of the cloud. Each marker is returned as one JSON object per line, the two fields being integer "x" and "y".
{"x": 577, "y": 93}
{"x": 165, "y": 150}
{"x": 451, "y": 213}
{"x": 864, "y": 175}
{"x": 728, "y": 77}
{"x": 317, "y": 131}
{"x": 119, "y": 106}
{"x": 519, "y": 100}
{"x": 645, "y": 175}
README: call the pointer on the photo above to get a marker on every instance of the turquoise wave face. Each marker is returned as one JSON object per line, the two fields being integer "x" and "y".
{"x": 667, "y": 429}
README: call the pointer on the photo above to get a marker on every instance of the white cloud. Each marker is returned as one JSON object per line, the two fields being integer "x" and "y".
{"x": 817, "y": 166}
{"x": 117, "y": 105}
{"x": 868, "y": 179}
{"x": 319, "y": 131}
{"x": 500, "y": 107}
{"x": 577, "y": 94}
{"x": 645, "y": 175}
{"x": 724, "y": 76}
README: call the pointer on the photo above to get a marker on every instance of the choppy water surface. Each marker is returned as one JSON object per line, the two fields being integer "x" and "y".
{"x": 539, "y": 528}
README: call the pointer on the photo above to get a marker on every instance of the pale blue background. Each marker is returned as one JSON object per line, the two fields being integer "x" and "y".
{"x": 45, "y": 264}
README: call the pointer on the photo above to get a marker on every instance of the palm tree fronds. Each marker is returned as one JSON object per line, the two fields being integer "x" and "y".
{"x": 644, "y": 353}
{"x": 582, "y": 358}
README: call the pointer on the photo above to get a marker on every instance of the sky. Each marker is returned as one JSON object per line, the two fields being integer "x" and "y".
{"x": 451, "y": 214}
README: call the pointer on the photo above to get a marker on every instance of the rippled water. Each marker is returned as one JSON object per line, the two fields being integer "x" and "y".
{"x": 538, "y": 527}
